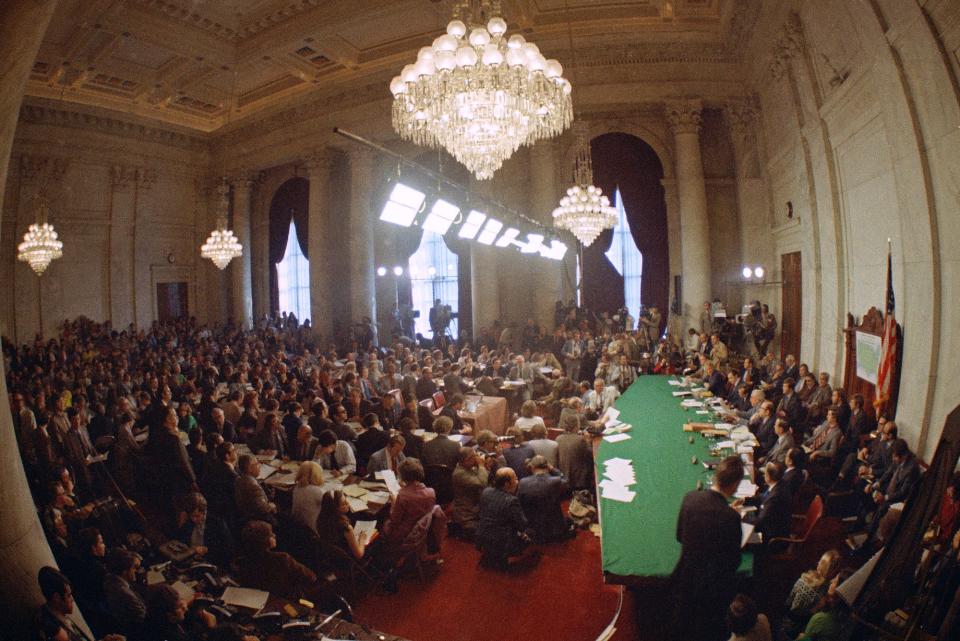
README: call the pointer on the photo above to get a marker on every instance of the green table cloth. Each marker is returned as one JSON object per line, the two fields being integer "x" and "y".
{"x": 639, "y": 538}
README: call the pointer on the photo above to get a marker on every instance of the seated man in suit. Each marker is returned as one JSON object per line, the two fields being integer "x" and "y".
{"x": 53, "y": 620}
{"x": 126, "y": 606}
{"x": 250, "y": 498}
{"x": 390, "y": 457}
{"x": 502, "y": 532}
{"x": 441, "y": 450}
{"x": 425, "y": 387}
{"x": 469, "y": 480}
{"x": 452, "y": 411}
{"x": 543, "y": 446}
{"x": 790, "y": 406}
{"x": 452, "y": 383}
{"x": 371, "y": 439}
{"x": 305, "y": 445}
{"x": 713, "y": 380}
{"x": 772, "y": 517}
{"x": 894, "y": 486}
{"x": 540, "y": 495}
{"x": 824, "y": 443}
{"x": 334, "y": 454}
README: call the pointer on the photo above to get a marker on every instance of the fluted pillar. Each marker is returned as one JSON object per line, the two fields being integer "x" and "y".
{"x": 23, "y": 548}
{"x": 544, "y": 196}
{"x": 321, "y": 282}
{"x": 360, "y": 237}
{"x": 260, "y": 258}
{"x": 242, "y": 267}
{"x": 684, "y": 118}
{"x": 121, "y": 271}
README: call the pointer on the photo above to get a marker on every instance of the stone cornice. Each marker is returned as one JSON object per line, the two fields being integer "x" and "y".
{"x": 36, "y": 114}
{"x": 45, "y": 168}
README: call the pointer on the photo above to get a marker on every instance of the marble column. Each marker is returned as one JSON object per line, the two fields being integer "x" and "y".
{"x": 741, "y": 117}
{"x": 120, "y": 273}
{"x": 684, "y": 118}
{"x": 360, "y": 255}
{"x": 260, "y": 257}
{"x": 23, "y": 547}
{"x": 484, "y": 286}
{"x": 243, "y": 266}
{"x": 544, "y": 196}
{"x": 141, "y": 288}
{"x": 318, "y": 165}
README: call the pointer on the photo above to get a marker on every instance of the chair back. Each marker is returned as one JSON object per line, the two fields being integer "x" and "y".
{"x": 427, "y": 403}
{"x": 439, "y": 400}
{"x": 814, "y": 512}
{"x": 440, "y": 478}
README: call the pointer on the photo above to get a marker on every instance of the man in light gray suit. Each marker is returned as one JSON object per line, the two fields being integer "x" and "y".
{"x": 389, "y": 457}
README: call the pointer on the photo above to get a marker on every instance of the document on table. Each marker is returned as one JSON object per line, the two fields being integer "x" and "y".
{"x": 356, "y": 505}
{"x": 390, "y": 480}
{"x": 683, "y": 393}
{"x": 245, "y": 597}
{"x": 354, "y": 490}
{"x": 726, "y": 444}
{"x": 746, "y": 489}
{"x": 378, "y": 497}
{"x": 370, "y": 527}
{"x": 748, "y": 534}
{"x": 616, "y": 438}
{"x": 674, "y": 382}
{"x": 183, "y": 590}
{"x": 612, "y": 414}
{"x": 617, "y": 492}
{"x": 265, "y": 471}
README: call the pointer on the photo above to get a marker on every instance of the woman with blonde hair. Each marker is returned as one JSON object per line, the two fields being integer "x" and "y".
{"x": 308, "y": 494}
{"x": 528, "y": 417}
{"x": 807, "y": 592}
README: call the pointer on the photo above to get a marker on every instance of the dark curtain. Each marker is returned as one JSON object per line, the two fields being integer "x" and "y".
{"x": 290, "y": 201}
{"x": 625, "y": 161}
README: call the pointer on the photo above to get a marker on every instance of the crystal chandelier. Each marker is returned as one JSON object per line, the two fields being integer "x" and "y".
{"x": 40, "y": 244}
{"x": 478, "y": 94}
{"x": 584, "y": 211}
{"x": 222, "y": 246}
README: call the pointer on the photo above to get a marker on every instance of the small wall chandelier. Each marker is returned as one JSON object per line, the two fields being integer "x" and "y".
{"x": 478, "y": 94}
{"x": 584, "y": 211}
{"x": 222, "y": 246}
{"x": 40, "y": 245}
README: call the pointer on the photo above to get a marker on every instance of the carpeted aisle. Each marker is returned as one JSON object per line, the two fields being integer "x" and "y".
{"x": 562, "y": 598}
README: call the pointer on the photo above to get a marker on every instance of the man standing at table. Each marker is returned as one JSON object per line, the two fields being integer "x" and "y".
{"x": 709, "y": 532}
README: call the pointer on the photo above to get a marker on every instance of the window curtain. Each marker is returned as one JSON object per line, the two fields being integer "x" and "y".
{"x": 289, "y": 202}
{"x": 625, "y": 161}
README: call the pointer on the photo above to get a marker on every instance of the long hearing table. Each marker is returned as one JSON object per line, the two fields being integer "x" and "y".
{"x": 638, "y": 539}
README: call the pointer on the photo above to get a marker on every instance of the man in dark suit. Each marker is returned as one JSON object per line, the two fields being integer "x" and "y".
{"x": 452, "y": 383}
{"x": 343, "y": 431}
{"x": 713, "y": 380}
{"x": 896, "y": 484}
{"x": 441, "y": 450}
{"x": 766, "y": 435}
{"x": 772, "y": 517}
{"x": 790, "y": 406}
{"x": 388, "y": 412}
{"x": 372, "y": 439}
{"x": 750, "y": 376}
{"x": 425, "y": 387}
{"x": 709, "y": 532}
{"x": 305, "y": 445}
{"x": 389, "y": 457}
{"x": 218, "y": 482}
{"x": 221, "y": 425}
{"x": 540, "y": 495}
{"x": 501, "y": 534}
{"x": 452, "y": 411}
{"x": 251, "y": 500}
{"x": 292, "y": 421}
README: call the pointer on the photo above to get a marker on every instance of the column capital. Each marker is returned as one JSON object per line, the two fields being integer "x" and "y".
{"x": 146, "y": 177}
{"x": 122, "y": 176}
{"x": 244, "y": 180}
{"x": 319, "y": 161}
{"x": 741, "y": 115}
{"x": 46, "y": 168}
{"x": 789, "y": 44}
{"x": 684, "y": 114}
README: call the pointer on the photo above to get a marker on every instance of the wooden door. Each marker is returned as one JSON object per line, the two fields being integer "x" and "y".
{"x": 791, "y": 301}
{"x": 171, "y": 301}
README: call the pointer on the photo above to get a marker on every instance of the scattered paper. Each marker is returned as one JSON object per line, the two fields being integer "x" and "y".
{"x": 265, "y": 471}
{"x": 265, "y": 456}
{"x": 748, "y": 534}
{"x": 726, "y": 445}
{"x": 618, "y": 493}
{"x": 390, "y": 479}
{"x": 354, "y": 490}
{"x": 378, "y": 497}
{"x": 746, "y": 489}
{"x": 703, "y": 411}
{"x": 245, "y": 597}
{"x": 674, "y": 382}
{"x": 356, "y": 505}
{"x": 282, "y": 480}
{"x": 612, "y": 414}
{"x": 154, "y": 577}
{"x": 616, "y": 438}
{"x": 364, "y": 526}
{"x": 683, "y": 393}
{"x": 184, "y": 591}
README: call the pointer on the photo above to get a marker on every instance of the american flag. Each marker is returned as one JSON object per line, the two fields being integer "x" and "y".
{"x": 888, "y": 345}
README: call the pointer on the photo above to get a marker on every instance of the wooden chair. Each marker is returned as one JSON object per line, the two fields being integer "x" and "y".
{"x": 801, "y": 532}
{"x": 439, "y": 399}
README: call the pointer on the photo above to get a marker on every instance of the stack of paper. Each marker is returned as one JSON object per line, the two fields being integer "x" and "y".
{"x": 682, "y": 393}
{"x": 364, "y": 526}
{"x": 616, "y": 438}
{"x": 689, "y": 402}
{"x": 618, "y": 477}
{"x": 746, "y": 489}
{"x": 356, "y": 505}
{"x": 675, "y": 382}
{"x": 245, "y": 597}
{"x": 354, "y": 490}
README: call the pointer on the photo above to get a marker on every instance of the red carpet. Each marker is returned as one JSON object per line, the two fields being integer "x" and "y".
{"x": 563, "y": 598}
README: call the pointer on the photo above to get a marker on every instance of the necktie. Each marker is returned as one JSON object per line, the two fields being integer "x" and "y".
{"x": 820, "y": 440}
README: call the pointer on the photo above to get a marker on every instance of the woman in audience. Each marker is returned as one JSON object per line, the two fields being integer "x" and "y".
{"x": 260, "y": 566}
{"x": 334, "y": 529}
{"x": 166, "y": 613}
{"x": 807, "y": 592}
{"x": 308, "y": 494}
{"x": 744, "y": 621}
{"x": 832, "y": 620}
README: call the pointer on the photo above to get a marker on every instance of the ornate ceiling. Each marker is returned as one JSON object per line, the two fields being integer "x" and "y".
{"x": 202, "y": 63}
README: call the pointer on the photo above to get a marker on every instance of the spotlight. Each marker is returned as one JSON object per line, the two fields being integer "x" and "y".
{"x": 509, "y": 237}
{"x": 533, "y": 245}
{"x": 490, "y": 231}
{"x": 381, "y": 271}
{"x": 747, "y": 272}
{"x": 472, "y": 225}
{"x": 402, "y": 206}
{"x": 398, "y": 271}
{"x": 556, "y": 251}
{"x": 441, "y": 216}
{"x": 431, "y": 271}
{"x": 758, "y": 272}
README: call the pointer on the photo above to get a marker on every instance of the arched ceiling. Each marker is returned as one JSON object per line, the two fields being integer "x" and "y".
{"x": 202, "y": 63}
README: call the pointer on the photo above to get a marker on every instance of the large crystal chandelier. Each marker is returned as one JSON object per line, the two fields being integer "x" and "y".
{"x": 478, "y": 94}
{"x": 584, "y": 211}
{"x": 222, "y": 246}
{"x": 40, "y": 245}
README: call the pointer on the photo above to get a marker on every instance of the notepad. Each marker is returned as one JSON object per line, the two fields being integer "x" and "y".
{"x": 748, "y": 534}
{"x": 184, "y": 591}
{"x": 390, "y": 480}
{"x": 370, "y": 527}
{"x": 354, "y": 490}
{"x": 245, "y": 597}
{"x": 265, "y": 471}
{"x": 616, "y": 438}
{"x": 356, "y": 505}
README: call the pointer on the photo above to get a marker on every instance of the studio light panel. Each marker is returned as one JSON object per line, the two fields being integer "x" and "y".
{"x": 402, "y": 206}
{"x": 441, "y": 216}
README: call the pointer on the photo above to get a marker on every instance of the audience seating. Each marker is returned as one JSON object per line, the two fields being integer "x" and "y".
{"x": 801, "y": 532}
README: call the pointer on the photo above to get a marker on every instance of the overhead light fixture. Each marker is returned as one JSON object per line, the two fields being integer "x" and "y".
{"x": 758, "y": 272}
{"x": 584, "y": 211}
{"x": 222, "y": 245}
{"x": 556, "y": 251}
{"x": 472, "y": 225}
{"x": 478, "y": 94}
{"x": 402, "y": 206}
{"x": 40, "y": 244}
{"x": 398, "y": 271}
{"x": 747, "y": 272}
{"x": 381, "y": 271}
{"x": 441, "y": 216}
{"x": 533, "y": 244}
{"x": 752, "y": 272}
{"x": 509, "y": 237}
{"x": 490, "y": 231}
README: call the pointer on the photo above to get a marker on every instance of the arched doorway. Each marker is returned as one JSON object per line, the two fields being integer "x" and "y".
{"x": 625, "y": 164}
